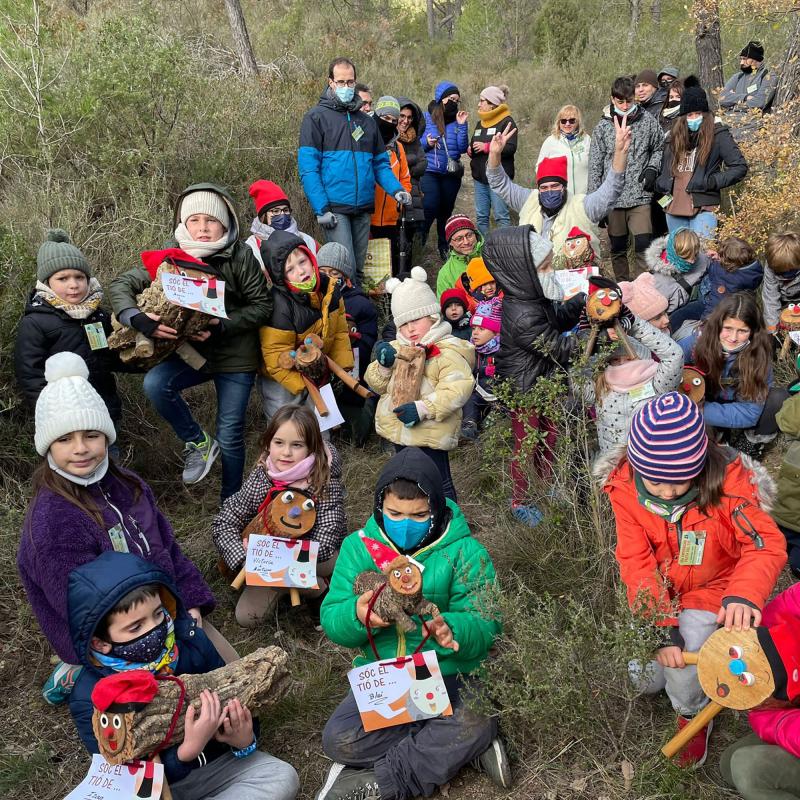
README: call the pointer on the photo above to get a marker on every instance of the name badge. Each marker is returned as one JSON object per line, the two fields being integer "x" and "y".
{"x": 692, "y": 545}
{"x": 96, "y": 335}
{"x": 118, "y": 540}
{"x": 665, "y": 200}
{"x": 753, "y": 88}
{"x": 358, "y": 132}
{"x": 642, "y": 392}
{"x": 491, "y": 131}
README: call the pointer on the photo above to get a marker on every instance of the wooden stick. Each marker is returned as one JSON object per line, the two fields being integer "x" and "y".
{"x": 590, "y": 342}
{"x": 347, "y": 379}
{"x": 294, "y": 596}
{"x": 683, "y": 737}
{"x": 238, "y": 581}
{"x": 316, "y": 397}
{"x": 690, "y": 658}
{"x": 786, "y": 346}
{"x": 618, "y": 329}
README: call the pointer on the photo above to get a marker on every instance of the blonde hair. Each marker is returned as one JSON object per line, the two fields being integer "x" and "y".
{"x": 783, "y": 251}
{"x": 572, "y": 110}
{"x": 687, "y": 244}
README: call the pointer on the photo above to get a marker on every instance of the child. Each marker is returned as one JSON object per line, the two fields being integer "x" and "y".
{"x": 293, "y": 455}
{"x": 431, "y": 423}
{"x": 480, "y": 283}
{"x": 412, "y": 516}
{"x": 465, "y": 243}
{"x": 454, "y": 305}
{"x": 692, "y": 537}
{"x": 304, "y": 302}
{"x": 786, "y": 511}
{"x": 127, "y": 614}
{"x": 64, "y": 315}
{"x": 645, "y": 301}
{"x": 677, "y": 266}
{"x": 486, "y": 339}
{"x": 781, "y": 276}
{"x": 102, "y": 506}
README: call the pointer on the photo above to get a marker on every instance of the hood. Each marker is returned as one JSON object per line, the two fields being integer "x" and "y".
{"x": 328, "y": 99}
{"x": 653, "y": 257}
{"x": 233, "y": 231}
{"x": 98, "y": 586}
{"x": 507, "y": 255}
{"x": 418, "y": 120}
{"x": 275, "y": 251}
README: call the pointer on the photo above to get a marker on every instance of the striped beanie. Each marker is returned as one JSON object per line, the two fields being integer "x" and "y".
{"x": 667, "y": 442}
{"x": 458, "y": 222}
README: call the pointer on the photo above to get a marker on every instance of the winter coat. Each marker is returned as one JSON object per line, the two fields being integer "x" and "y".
{"x": 787, "y": 506}
{"x": 457, "y": 571}
{"x": 718, "y": 283}
{"x": 416, "y": 158}
{"x": 297, "y": 314}
{"x": 45, "y": 330}
{"x": 656, "y": 102}
{"x": 670, "y": 282}
{"x": 96, "y": 587}
{"x": 447, "y": 384}
{"x": 778, "y": 290}
{"x": 456, "y": 265}
{"x": 452, "y": 143}
{"x": 239, "y": 509}
{"x": 709, "y": 179}
{"x": 486, "y": 375}
{"x": 234, "y": 346}
{"x": 528, "y": 316}
{"x": 577, "y": 155}
{"x": 338, "y": 170}
{"x": 385, "y": 213}
{"x": 744, "y": 550}
{"x": 491, "y": 123}
{"x": 462, "y": 328}
{"x": 261, "y": 232}
{"x": 362, "y": 315}
{"x": 57, "y": 537}
{"x": 744, "y": 92}
{"x": 647, "y": 144}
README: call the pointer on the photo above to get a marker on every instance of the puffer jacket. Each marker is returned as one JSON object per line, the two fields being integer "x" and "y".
{"x": 453, "y": 143}
{"x": 492, "y": 122}
{"x": 415, "y": 156}
{"x": 386, "y": 213}
{"x": 744, "y": 550}
{"x": 676, "y": 286}
{"x": 457, "y": 570}
{"x": 298, "y": 314}
{"x": 447, "y": 384}
{"x": 718, "y": 282}
{"x": 778, "y": 290}
{"x": 787, "y": 505}
{"x": 532, "y": 344}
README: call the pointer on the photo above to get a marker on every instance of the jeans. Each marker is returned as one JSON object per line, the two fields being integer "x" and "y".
{"x": 163, "y": 386}
{"x": 442, "y": 460}
{"x": 439, "y": 199}
{"x": 487, "y": 201}
{"x": 761, "y": 771}
{"x": 352, "y": 230}
{"x": 703, "y": 224}
{"x": 692, "y": 310}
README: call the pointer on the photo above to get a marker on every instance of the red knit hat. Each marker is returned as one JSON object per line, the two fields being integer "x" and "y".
{"x": 124, "y": 689}
{"x": 552, "y": 169}
{"x": 266, "y": 194}
{"x": 153, "y": 259}
{"x": 460, "y": 222}
{"x": 454, "y": 295}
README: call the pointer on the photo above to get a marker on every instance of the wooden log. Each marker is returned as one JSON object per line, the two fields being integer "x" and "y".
{"x": 594, "y": 332}
{"x": 409, "y": 369}
{"x": 786, "y": 346}
{"x": 348, "y": 380}
{"x": 314, "y": 394}
{"x": 294, "y": 597}
{"x": 684, "y": 736}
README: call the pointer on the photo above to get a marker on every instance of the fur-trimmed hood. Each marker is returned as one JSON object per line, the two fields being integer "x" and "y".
{"x": 653, "y": 257}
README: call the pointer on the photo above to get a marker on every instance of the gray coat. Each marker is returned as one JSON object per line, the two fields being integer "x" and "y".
{"x": 777, "y": 291}
{"x": 736, "y": 95}
{"x": 674, "y": 285}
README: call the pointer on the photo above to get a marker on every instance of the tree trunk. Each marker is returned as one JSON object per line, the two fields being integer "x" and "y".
{"x": 241, "y": 38}
{"x": 788, "y": 88}
{"x": 709, "y": 47}
{"x": 655, "y": 12}
{"x": 636, "y": 13}
{"x": 431, "y": 21}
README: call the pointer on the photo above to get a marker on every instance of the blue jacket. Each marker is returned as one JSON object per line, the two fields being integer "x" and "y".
{"x": 718, "y": 283}
{"x": 339, "y": 168}
{"x": 98, "y": 586}
{"x": 457, "y": 138}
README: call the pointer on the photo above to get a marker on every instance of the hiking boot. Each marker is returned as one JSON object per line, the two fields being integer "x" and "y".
{"x": 198, "y": 458}
{"x": 694, "y": 754}
{"x": 526, "y": 514}
{"x": 346, "y": 783}
{"x": 494, "y": 762}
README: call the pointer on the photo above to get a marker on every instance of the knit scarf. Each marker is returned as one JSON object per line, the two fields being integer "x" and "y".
{"x": 198, "y": 249}
{"x": 292, "y": 476}
{"x": 82, "y": 310}
{"x": 491, "y": 118}
{"x": 492, "y": 346}
{"x": 164, "y": 664}
{"x": 410, "y": 135}
{"x": 671, "y": 112}
{"x": 630, "y": 375}
{"x": 681, "y": 264}
{"x": 670, "y": 510}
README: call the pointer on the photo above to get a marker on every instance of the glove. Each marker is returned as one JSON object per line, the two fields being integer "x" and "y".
{"x": 648, "y": 178}
{"x": 385, "y": 354}
{"x": 404, "y": 198}
{"x": 142, "y": 323}
{"x": 327, "y": 220}
{"x": 407, "y": 414}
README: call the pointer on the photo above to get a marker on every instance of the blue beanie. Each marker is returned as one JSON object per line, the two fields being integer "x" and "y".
{"x": 443, "y": 89}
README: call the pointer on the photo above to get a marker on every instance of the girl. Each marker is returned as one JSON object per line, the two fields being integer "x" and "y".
{"x": 293, "y": 454}
{"x": 569, "y": 139}
{"x": 83, "y": 504}
{"x": 670, "y": 109}
{"x": 695, "y": 544}
{"x": 411, "y": 132}
{"x": 734, "y": 351}
{"x": 677, "y": 266}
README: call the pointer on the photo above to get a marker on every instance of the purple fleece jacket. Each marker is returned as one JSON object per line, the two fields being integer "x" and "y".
{"x": 57, "y": 537}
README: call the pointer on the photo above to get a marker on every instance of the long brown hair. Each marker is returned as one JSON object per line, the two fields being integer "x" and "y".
{"x": 752, "y": 364}
{"x": 710, "y": 481}
{"x": 306, "y": 423}
{"x": 437, "y": 115}
{"x": 679, "y": 139}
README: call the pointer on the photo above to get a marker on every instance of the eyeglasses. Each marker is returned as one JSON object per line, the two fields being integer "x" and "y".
{"x": 406, "y": 117}
{"x": 342, "y": 84}
{"x": 568, "y": 121}
{"x": 463, "y": 237}
{"x": 278, "y": 210}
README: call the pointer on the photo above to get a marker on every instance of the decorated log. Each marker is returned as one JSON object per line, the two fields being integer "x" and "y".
{"x": 409, "y": 369}
{"x": 789, "y": 321}
{"x": 693, "y": 384}
{"x": 603, "y": 307}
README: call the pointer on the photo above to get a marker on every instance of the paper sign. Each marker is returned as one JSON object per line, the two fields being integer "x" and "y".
{"x": 139, "y": 780}
{"x": 396, "y": 691}
{"x": 795, "y": 336}
{"x": 278, "y": 562}
{"x": 334, "y": 417}
{"x": 575, "y": 280}
{"x": 199, "y": 294}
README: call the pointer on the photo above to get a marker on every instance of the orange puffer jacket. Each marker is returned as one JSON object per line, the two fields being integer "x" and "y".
{"x": 386, "y": 213}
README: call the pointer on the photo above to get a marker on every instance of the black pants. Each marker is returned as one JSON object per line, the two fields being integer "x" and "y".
{"x": 439, "y": 199}
{"x": 476, "y": 409}
{"x": 442, "y": 460}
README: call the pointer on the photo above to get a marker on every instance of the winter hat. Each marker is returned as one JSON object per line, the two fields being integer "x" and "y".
{"x": 754, "y": 50}
{"x": 69, "y": 403}
{"x": 647, "y": 76}
{"x": 668, "y": 442}
{"x": 56, "y": 253}
{"x": 540, "y": 247}
{"x": 693, "y": 97}
{"x": 265, "y": 194}
{"x": 496, "y": 95}
{"x": 643, "y": 298}
{"x": 444, "y": 89}
{"x": 124, "y": 691}
{"x": 454, "y": 295}
{"x": 458, "y": 222}
{"x": 205, "y": 202}
{"x": 412, "y": 298}
{"x": 382, "y": 555}
{"x": 673, "y": 72}
{"x": 334, "y": 255}
{"x": 387, "y": 106}
{"x": 552, "y": 169}
{"x": 478, "y": 273}
{"x": 488, "y": 315}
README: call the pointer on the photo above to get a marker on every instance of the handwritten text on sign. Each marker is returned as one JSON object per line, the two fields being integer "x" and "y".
{"x": 140, "y": 780}
{"x": 274, "y": 561}
{"x": 206, "y": 294}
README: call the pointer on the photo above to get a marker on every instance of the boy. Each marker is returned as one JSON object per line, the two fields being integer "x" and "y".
{"x": 126, "y": 614}
{"x": 481, "y": 282}
{"x": 781, "y": 276}
{"x": 486, "y": 338}
{"x": 454, "y": 306}
{"x": 465, "y": 244}
{"x": 413, "y": 517}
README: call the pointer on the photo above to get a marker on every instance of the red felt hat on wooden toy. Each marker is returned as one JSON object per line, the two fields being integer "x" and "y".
{"x": 124, "y": 689}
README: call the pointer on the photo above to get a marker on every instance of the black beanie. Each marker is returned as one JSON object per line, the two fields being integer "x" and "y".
{"x": 693, "y": 97}
{"x": 754, "y": 50}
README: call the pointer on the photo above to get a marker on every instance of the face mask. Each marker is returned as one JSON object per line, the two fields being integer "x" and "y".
{"x": 694, "y": 124}
{"x": 304, "y": 286}
{"x": 145, "y": 648}
{"x": 387, "y": 129}
{"x": 451, "y": 107}
{"x": 406, "y": 533}
{"x": 552, "y": 199}
{"x": 370, "y": 113}
{"x": 731, "y": 350}
{"x": 281, "y": 222}
{"x": 665, "y": 84}
{"x": 345, "y": 93}
{"x": 672, "y": 104}
{"x": 747, "y": 70}
{"x": 620, "y": 113}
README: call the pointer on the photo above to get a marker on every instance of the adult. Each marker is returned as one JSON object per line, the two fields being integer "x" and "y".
{"x": 410, "y": 132}
{"x": 341, "y": 158}
{"x": 630, "y": 216}
{"x": 569, "y": 139}
{"x": 753, "y": 87}
{"x": 446, "y": 140}
{"x": 550, "y": 207}
{"x": 667, "y": 77}
{"x": 365, "y": 93}
{"x": 649, "y": 95}
{"x": 494, "y": 115}
{"x": 696, "y": 150}
{"x": 670, "y": 109}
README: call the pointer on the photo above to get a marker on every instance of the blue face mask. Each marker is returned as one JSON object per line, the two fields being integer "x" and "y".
{"x": 345, "y": 93}
{"x": 406, "y": 533}
{"x": 694, "y": 124}
{"x": 620, "y": 113}
{"x": 281, "y": 222}
{"x": 551, "y": 199}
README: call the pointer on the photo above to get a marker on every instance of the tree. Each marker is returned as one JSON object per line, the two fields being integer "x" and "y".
{"x": 241, "y": 38}
{"x": 655, "y": 12}
{"x": 789, "y": 71}
{"x": 708, "y": 46}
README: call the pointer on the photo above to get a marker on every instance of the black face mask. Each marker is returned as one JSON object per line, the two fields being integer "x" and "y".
{"x": 387, "y": 129}
{"x": 450, "y": 110}
{"x": 665, "y": 84}
{"x": 672, "y": 103}
{"x": 145, "y": 648}
{"x": 747, "y": 70}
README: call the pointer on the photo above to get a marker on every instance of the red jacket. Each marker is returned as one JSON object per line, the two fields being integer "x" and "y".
{"x": 744, "y": 550}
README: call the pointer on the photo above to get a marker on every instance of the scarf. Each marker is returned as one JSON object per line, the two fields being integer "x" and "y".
{"x": 630, "y": 375}
{"x": 409, "y": 137}
{"x": 294, "y": 475}
{"x": 198, "y": 249}
{"x": 671, "y": 112}
{"x": 551, "y": 288}
{"x": 164, "y": 664}
{"x": 82, "y": 310}
{"x": 735, "y": 350}
{"x": 670, "y": 510}
{"x": 87, "y": 480}
{"x": 491, "y": 118}
{"x": 681, "y": 264}
{"x": 492, "y": 346}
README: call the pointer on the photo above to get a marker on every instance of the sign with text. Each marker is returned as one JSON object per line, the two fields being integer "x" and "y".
{"x": 139, "y": 780}
{"x": 575, "y": 280}
{"x": 277, "y": 562}
{"x": 205, "y": 294}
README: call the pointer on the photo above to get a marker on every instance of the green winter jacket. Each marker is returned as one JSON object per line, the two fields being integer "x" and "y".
{"x": 786, "y": 511}
{"x": 455, "y": 266}
{"x": 247, "y": 298}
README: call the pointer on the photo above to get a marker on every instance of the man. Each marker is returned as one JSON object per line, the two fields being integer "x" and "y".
{"x": 365, "y": 93}
{"x": 631, "y": 213}
{"x": 649, "y": 95}
{"x": 341, "y": 157}
{"x": 753, "y": 87}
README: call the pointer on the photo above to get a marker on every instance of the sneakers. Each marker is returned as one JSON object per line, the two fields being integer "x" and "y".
{"x": 494, "y": 762}
{"x": 58, "y": 687}
{"x": 346, "y": 783}
{"x": 526, "y": 514}
{"x": 694, "y": 754}
{"x": 198, "y": 458}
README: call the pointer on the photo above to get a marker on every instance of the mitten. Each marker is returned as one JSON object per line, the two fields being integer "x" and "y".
{"x": 648, "y": 178}
{"x": 142, "y": 323}
{"x": 385, "y": 354}
{"x": 327, "y": 220}
{"x": 407, "y": 414}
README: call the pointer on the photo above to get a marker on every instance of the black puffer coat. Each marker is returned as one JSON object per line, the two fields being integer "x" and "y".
{"x": 417, "y": 160}
{"x": 531, "y": 344}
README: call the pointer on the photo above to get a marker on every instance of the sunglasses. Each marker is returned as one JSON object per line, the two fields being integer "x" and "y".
{"x": 568, "y": 121}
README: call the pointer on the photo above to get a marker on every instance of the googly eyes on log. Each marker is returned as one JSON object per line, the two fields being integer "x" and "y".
{"x": 613, "y": 296}
{"x": 747, "y": 678}
{"x": 600, "y": 293}
{"x": 287, "y": 497}
{"x": 698, "y": 382}
{"x": 104, "y": 720}
{"x": 735, "y": 651}
{"x": 308, "y": 504}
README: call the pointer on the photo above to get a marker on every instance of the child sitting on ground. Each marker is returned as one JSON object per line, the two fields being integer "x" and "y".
{"x": 486, "y": 339}
{"x": 293, "y": 455}
{"x": 455, "y": 307}
{"x": 677, "y": 266}
{"x": 412, "y": 516}
{"x": 465, "y": 243}
{"x": 433, "y": 421}
{"x": 126, "y": 614}
{"x": 781, "y": 276}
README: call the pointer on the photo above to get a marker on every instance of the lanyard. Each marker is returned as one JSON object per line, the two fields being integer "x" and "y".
{"x": 401, "y": 659}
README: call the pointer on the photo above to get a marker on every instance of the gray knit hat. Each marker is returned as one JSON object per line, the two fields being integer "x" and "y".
{"x": 56, "y": 253}
{"x": 334, "y": 255}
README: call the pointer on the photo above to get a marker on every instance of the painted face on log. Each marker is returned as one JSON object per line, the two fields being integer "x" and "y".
{"x": 112, "y": 728}
{"x": 404, "y": 576}
{"x": 576, "y": 249}
{"x": 604, "y": 305}
{"x": 292, "y": 513}
{"x": 790, "y": 317}
{"x": 693, "y": 384}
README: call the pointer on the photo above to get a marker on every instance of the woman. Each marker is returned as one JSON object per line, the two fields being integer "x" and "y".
{"x": 410, "y": 132}
{"x": 696, "y": 149}
{"x": 569, "y": 139}
{"x": 446, "y": 140}
{"x": 734, "y": 351}
{"x": 671, "y": 108}
{"x": 494, "y": 116}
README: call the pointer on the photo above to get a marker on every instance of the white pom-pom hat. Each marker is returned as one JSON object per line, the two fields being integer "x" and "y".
{"x": 69, "y": 403}
{"x": 412, "y": 298}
